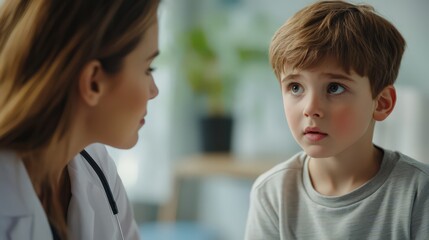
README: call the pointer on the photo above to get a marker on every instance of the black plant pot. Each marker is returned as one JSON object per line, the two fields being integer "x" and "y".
{"x": 216, "y": 134}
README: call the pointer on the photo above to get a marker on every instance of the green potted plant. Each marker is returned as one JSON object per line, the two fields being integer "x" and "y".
{"x": 213, "y": 80}
{"x": 209, "y": 81}
{"x": 203, "y": 71}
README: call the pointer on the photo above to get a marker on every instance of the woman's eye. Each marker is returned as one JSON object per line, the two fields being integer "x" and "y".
{"x": 335, "y": 88}
{"x": 150, "y": 70}
{"x": 295, "y": 88}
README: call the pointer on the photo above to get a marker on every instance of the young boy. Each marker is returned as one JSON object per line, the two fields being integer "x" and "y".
{"x": 336, "y": 63}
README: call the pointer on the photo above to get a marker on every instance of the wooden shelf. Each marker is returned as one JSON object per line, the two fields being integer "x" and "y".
{"x": 205, "y": 165}
{"x": 212, "y": 165}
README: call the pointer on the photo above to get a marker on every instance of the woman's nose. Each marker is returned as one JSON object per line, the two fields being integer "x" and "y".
{"x": 154, "y": 91}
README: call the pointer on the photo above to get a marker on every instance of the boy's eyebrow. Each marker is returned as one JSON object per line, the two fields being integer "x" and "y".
{"x": 338, "y": 76}
{"x": 290, "y": 77}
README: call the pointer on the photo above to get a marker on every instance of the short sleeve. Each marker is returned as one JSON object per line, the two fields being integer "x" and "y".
{"x": 262, "y": 220}
{"x": 420, "y": 213}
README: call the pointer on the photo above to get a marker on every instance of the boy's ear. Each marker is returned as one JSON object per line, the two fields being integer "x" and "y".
{"x": 91, "y": 83}
{"x": 385, "y": 102}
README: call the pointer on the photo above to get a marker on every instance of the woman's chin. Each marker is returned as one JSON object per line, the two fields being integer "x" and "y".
{"x": 125, "y": 144}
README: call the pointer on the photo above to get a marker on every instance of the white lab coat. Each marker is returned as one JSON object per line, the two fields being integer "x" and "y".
{"x": 89, "y": 215}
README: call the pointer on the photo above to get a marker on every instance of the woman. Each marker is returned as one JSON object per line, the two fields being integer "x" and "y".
{"x": 73, "y": 73}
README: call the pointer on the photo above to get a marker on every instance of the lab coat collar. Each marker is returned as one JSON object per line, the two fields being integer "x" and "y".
{"x": 16, "y": 190}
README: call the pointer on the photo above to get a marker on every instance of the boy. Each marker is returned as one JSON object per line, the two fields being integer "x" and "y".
{"x": 336, "y": 63}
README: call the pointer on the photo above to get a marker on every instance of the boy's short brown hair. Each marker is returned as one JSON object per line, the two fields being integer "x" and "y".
{"x": 355, "y": 35}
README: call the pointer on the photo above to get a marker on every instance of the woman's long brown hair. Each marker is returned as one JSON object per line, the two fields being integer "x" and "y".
{"x": 44, "y": 44}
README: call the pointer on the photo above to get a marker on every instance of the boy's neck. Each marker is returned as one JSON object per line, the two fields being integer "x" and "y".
{"x": 339, "y": 175}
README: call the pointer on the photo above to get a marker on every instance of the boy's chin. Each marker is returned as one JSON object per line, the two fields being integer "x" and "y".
{"x": 317, "y": 151}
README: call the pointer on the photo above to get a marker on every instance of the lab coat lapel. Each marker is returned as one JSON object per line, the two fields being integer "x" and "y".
{"x": 21, "y": 213}
{"x": 89, "y": 215}
{"x": 80, "y": 216}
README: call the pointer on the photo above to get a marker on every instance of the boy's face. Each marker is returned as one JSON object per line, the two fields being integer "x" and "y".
{"x": 328, "y": 110}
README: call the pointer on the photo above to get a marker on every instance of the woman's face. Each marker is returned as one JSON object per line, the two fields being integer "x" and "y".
{"x": 129, "y": 92}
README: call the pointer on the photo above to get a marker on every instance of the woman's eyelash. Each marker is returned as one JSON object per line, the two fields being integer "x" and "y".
{"x": 150, "y": 70}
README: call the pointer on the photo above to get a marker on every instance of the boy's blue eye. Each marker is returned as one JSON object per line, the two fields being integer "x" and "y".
{"x": 335, "y": 88}
{"x": 295, "y": 88}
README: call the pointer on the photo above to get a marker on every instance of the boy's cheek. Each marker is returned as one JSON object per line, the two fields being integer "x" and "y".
{"x": 344, "y": 122}
{"x": 293, "y": 122}
{"x": 289, "y": 110}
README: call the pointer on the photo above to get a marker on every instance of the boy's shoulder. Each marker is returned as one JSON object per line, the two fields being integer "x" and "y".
{"x": 410, "y": 176}
{"x": 283, "y": 172}
{"x": 409, "y": 166}
{"x": 406, "y": 174}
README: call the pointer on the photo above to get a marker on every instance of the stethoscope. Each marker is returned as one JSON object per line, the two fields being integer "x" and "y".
{"x": 106, "y": 187}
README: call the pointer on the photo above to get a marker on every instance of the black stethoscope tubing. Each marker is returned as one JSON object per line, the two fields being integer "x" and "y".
{"x": 103, "y": 180}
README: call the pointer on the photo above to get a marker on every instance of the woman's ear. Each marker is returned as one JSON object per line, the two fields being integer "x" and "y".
{"x": 385, "y": 102}
{"x": 91, "y": 80}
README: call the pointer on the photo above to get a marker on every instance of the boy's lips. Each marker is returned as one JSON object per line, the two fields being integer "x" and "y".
{"x": 314, "y": 134}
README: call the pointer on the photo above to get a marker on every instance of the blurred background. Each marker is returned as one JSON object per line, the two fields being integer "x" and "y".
{"x": 213, "y": 71}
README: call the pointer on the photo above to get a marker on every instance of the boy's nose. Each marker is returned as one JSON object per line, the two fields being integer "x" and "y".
{"x": 313, "y": 107}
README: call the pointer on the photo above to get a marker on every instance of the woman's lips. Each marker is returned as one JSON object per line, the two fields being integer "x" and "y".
{"x": 142, "y": 122}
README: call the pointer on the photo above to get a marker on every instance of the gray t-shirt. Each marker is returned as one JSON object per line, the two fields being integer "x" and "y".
{"x": 394, "y": 204}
